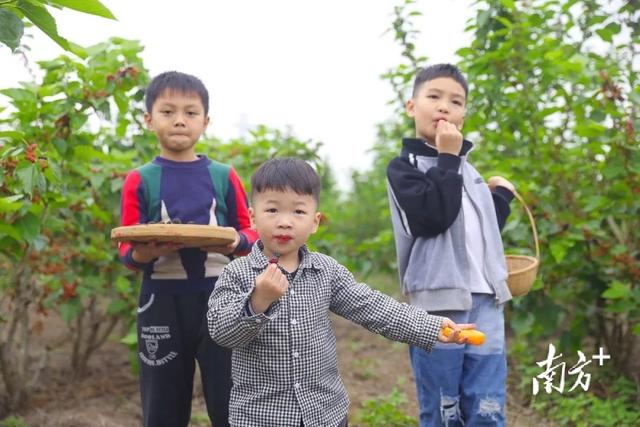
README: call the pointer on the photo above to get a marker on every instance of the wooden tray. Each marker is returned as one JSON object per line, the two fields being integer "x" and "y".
{"x": 192, "y": 235}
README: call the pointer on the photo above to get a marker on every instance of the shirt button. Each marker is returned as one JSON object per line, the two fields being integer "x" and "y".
{"x": 294, "y": 321}
{"x": 292, "y": 292}
{"x": 296, "y": 354}
{"x": 296, "y": 385}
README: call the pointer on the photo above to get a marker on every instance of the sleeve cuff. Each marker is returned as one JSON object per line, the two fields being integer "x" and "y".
{"x": 433, "y": 339}
{"x": 128, "y": 259}
{"x": 448, "y": 161}
{"x": 505, "y": 193}
{"x": 268, "y": 315}
{"x": 242, "y": 245}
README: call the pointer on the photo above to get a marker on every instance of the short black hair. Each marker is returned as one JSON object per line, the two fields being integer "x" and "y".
{"x": 286, "y": 173}
{"x": 436, "y": 71}
{"x": 179, "y": 82}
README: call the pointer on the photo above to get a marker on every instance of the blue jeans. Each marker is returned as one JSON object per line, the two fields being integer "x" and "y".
{"x": 464, "y": 384}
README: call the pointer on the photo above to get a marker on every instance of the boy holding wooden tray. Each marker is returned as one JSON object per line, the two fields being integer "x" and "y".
{"x": 180, "y": 186}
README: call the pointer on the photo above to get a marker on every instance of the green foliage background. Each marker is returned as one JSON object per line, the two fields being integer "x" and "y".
{"x": 553, "y": 106}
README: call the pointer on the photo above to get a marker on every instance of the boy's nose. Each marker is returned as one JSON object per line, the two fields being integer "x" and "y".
{"x": 284, "y": 222}
{"x": 178, "y": 120}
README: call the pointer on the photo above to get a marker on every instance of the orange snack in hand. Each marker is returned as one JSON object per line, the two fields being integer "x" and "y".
{"x": 473, "y": 336}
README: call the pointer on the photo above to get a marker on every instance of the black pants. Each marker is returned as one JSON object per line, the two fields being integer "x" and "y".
{"x": 172, "y": 335}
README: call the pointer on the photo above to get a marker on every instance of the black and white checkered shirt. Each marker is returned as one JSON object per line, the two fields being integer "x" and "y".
{"x": 284, "y": 360}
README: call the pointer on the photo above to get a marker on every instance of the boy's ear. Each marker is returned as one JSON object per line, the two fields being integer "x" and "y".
{"x": 147, "y": 121}
{"x": 410, "y": 107}
{"x": 251, "y": 217}
{"x": 316, "y": 222}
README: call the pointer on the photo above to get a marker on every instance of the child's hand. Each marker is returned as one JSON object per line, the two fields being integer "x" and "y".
{"x": 224, "y": 249}
{"x": 146, "y": 252}
{"x": 270, "y": 285}
{"x": 455, "y": 336}
{"x": 496, "y": 181}
{"x": 448, "y": 138}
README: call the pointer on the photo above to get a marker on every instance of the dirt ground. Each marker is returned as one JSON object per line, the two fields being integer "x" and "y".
{"x": 108, "y": 397}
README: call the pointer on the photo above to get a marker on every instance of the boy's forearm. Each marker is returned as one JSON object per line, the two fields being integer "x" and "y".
{"x": 239, "y": 216}
{"x": 398, "y": 321}
{"x": 248, "y": 237}
{"x": 501, "y": 199}
{"x": 429, "y": 202}
{"x": 383, "y": 315}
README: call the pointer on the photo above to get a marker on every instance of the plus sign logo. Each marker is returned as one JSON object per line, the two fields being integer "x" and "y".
{"x": 601, "y": 357}
{"x": 555, "y": 371}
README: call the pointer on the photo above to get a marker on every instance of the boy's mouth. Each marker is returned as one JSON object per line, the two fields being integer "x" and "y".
{"x": 282, "y": 238}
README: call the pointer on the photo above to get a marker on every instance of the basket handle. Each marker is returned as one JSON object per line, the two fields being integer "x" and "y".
{"x": 532, "y": 221}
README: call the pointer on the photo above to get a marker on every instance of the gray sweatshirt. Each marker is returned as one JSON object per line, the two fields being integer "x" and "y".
{"x": 425, "y": 198}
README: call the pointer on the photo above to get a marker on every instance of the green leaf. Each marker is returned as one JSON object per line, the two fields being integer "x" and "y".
{"x": 483, "y": 17}
{"x": 122, "y": 101}
{"x": 11, "y": 29}
{"x": 11, "y": 134}
{"x": 92, "y": 7}
{"x": 121, "y": 129}
{"x": 636, "y": 329}
{"x": 130, "y": 339}
{"x": 9, "y": 230}
{"x": 508, "y": 4}
{"x": 26, "y": 177}
{"x": 97, "y": 181}
{"x": 61, "y": 145}
{"x": 11, "y": 204}
{"x": 559, "y": 249}
{"x": 42, "y": 19}
{"x": 117, "y": 306}
{"x": 123, "y": 285}
{"x": 69, "y": 310}
{"x": 609, "y": 31}
{"x": 590, "y": 129}
{"x": 78, "y": 50}
{"x": 617, "y": 290}
{"x": 20, "y": 95}
{"x": 29, "y": 227}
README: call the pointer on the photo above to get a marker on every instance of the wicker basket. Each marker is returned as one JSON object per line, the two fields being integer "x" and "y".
{"x": 523, "y": 269}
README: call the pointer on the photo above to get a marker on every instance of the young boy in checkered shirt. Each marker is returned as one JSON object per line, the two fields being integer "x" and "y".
{"x": 272, "y": 308}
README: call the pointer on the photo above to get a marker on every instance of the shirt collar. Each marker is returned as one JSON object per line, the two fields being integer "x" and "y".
{"x": 258, "y": 259}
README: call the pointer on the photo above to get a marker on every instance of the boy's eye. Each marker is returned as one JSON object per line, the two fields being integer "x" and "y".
{"x": 166, "y": 111}
{"x": 271, "y": 210}
{"x": 432, "y": 96}
{"x": 300, "y": 212}
{"x": 457, "y": 102}
{"x": 192, "y": 113}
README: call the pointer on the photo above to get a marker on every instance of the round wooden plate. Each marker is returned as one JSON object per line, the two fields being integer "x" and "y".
{"x": 192, "y": 235}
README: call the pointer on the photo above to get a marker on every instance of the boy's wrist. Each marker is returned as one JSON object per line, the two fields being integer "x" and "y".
{"x": 448, "y": 161}
{"x": 139, "y": 258}
{"x": 258, "y": 303}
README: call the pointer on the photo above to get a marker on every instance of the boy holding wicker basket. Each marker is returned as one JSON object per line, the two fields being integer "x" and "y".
{"x": 447, "y": 224}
